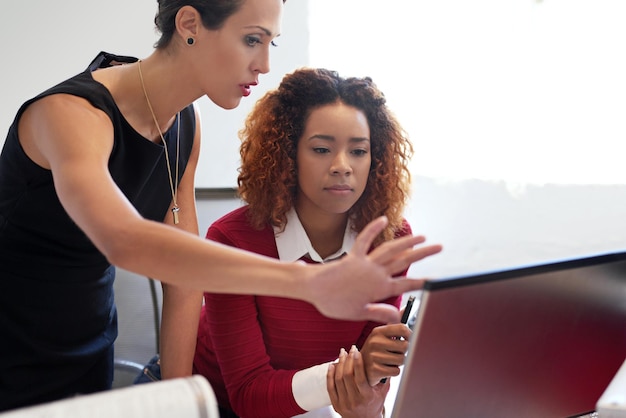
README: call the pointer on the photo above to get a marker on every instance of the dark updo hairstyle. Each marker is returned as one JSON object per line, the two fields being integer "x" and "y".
{"x": 213, "y": 13}
{"x": 268, "y": 176}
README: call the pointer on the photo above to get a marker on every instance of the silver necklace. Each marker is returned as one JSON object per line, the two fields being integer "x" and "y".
{"x": 174, "y": 181}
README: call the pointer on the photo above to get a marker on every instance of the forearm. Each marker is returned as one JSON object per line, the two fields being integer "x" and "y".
{"x": 179, "y": 326}
{"x": 171, "y": 256}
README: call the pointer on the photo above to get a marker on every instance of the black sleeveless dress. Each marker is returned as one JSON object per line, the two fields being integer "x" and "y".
{"x": 58, "y": 318}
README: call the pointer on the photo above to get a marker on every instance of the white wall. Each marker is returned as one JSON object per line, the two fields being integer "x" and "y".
{"x": 490, "y": 225}
{"x": 46, "y": 42}
{"x": 523, "y": 91}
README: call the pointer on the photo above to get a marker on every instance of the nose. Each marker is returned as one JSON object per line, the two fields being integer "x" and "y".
{"x": 262, "y": 65}
{"x": 341, "y": 165}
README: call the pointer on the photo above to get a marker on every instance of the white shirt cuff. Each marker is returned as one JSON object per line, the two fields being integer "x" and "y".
{"x": 309, "y": 387}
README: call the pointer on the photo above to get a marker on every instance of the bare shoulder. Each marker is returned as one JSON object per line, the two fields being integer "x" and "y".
{"x": 55, "y": 122}
{"x": 63, "y": 107}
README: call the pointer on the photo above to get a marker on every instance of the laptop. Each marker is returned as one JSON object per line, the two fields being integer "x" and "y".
{"x": 534, "y": 341}
{"x": 612, "y": 403}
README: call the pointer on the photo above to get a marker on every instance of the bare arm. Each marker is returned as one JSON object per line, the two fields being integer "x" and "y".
{"x": 181, "y": 306}
{"x": 179, "y": 327}
{"x": 51, "y": 131}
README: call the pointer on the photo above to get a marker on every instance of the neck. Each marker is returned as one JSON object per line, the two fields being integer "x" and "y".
{"x": 165, "y": 87}
{"x": 158, "y": 123}
{"x": 325, "y": 232}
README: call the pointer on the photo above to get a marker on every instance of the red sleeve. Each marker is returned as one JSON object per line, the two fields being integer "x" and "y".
{"x": 254, "y": 387}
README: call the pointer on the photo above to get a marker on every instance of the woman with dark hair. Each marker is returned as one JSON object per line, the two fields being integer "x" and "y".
{"x": 322, "y": 156}
{"x": 99, "y": 171}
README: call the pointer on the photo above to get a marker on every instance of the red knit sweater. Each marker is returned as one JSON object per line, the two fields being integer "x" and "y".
{"x": 249, "y": 347}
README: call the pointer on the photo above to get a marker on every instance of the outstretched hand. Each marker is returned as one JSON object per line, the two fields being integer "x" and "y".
{"x": 349, "y": 288}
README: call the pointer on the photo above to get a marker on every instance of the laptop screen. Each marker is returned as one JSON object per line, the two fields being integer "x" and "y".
{"x": 534, "y": 341}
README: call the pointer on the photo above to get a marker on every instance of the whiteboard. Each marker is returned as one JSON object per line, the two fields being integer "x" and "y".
{"x": 46, "y": 42}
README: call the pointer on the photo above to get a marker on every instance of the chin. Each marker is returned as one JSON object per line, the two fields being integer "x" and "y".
{"x": 227, "y": 104}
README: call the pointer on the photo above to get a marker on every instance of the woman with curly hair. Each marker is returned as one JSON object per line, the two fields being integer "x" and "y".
{"x": 322, "y": 156}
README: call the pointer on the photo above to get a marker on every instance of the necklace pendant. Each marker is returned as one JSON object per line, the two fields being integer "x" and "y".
{"x": 175, "y": 210}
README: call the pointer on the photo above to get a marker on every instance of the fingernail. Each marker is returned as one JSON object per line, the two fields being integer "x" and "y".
{"x": 342, "y": 352}
{"x": 354, "y": 352}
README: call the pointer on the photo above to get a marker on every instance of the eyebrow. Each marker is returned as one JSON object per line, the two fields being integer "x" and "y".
{"x": 264, "y": 30}
{"x": 332, "y": 138}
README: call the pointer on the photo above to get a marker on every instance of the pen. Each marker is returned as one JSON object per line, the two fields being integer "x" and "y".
{"x": 404, "y": 319}
{"x": 407, "y": 309}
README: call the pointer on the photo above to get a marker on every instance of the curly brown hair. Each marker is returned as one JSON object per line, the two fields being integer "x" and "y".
{"x": 268, "y": 174}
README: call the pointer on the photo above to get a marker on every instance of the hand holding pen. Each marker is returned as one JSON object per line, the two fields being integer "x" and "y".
{"x": 404, "y": 320}
{"x": 385, "y": 348}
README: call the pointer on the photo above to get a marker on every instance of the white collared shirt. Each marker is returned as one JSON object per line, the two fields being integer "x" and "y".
{"x": 309, "y": 385}
{"x": 293, "y": 243}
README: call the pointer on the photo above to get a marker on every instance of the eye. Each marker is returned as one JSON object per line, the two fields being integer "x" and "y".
{"x": 359, "y": 152}
{"x": 252, "y": 40}
{"x": 274, "y": 44}
{"x": 320, "y": 150}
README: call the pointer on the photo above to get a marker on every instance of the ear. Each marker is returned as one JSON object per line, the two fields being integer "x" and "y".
{"x": 188, "y": 22}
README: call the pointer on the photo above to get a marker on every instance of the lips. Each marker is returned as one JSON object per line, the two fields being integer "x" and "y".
{"x": 339, "y": 187}
{"x": 246, "y": 88}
